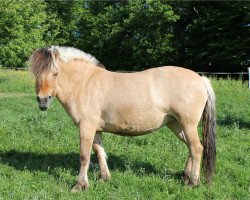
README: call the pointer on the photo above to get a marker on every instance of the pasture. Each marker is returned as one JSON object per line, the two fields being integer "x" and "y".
{"x": 39, "y": 151}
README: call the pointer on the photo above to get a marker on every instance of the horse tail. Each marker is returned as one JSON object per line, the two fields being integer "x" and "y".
{"x": 209, "y": 133}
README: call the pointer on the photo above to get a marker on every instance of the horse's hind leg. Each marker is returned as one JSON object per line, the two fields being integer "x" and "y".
{"x": 177, "y": 130}
{"x": 101, "y": 156}
{"x": 195, "y": 151}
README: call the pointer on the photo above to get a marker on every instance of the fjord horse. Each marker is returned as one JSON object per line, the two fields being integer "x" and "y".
{"x": 127, "y": 104}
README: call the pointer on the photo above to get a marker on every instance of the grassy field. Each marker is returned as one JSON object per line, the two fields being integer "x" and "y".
{"x": 39, "y": 152}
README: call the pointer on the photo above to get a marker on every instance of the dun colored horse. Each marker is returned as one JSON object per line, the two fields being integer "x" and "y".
{"x": 127, "y": 104}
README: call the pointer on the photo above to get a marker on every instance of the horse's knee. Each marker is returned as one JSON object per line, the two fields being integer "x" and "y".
{"x": 96, "y": 148}
{"x": 100, "y": 152}
{"x": 84, "y": 159}
{"x": 196, "y": 150}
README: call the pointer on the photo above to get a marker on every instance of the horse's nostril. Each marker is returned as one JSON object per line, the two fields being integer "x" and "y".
{"x": 50, "y": 97}
{"x": 38, "y": 99}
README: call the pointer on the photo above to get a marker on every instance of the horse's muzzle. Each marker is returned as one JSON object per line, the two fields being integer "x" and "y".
{"x": 44, "y": 102}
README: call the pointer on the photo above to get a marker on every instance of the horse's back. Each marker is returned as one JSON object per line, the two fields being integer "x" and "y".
{"x": 158, "y": 86}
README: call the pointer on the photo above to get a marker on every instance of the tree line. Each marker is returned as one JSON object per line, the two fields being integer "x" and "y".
{"x": 130, "y": 35}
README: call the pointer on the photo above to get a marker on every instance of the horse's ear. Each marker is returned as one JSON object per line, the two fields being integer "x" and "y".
{"x": 56, "y": 54}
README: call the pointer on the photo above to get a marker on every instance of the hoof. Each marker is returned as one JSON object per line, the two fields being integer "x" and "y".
{"x": 190, "y": 180}
{"x": 105, "y": 176}
{"x": 186, "y": 179}
{"x": 80, "y": 187}
{"x": 193, "y": 183}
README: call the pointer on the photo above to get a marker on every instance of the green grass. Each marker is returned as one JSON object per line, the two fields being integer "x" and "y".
{"x": 39, "y": 152}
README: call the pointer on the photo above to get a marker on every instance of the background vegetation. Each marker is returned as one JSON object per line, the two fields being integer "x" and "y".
{"x": 131, "y": 35}
{"x": 39, "y": 152}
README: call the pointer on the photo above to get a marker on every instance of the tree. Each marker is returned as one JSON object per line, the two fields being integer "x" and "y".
{"x": 214, "y": 35}
{"x": 62, "y": 20}
{"x": 131, "y": 35}
{"x": 21, "y": 29}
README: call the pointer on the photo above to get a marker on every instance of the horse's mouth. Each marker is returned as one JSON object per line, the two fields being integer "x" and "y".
{"x": 44, "y": 102}
{"x": 43, "y": 108}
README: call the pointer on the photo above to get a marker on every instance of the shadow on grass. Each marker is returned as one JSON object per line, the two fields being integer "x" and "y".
{"x": 229, "y": 121}
{"x": 48, "y": 162}
{"x": 39, "y": 162}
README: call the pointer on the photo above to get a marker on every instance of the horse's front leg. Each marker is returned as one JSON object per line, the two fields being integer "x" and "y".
{"x": 87, "y": 134}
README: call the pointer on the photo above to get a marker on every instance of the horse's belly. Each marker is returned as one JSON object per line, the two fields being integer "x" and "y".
{"x": 136, "y": 124}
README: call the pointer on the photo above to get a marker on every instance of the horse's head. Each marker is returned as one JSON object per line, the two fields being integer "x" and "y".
{"x": 45, "y": 89}
{"x": 44, "y": 64}
{"x": 44, "y": 68}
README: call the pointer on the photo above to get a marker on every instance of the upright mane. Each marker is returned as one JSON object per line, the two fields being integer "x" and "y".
{"x": 44, "y": 59}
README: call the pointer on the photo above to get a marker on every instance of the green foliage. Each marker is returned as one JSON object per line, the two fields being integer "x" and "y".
{"x": 29, "y": 24}
{"x": 128, "y": 36}
{"x": 213, "y": 36}
{"x": 225, "y": 36}
{"x": 132, "y": 34}
{"x": 21, "y": 29}
{"x": 62, "y": 19}
{"x": 39, "y": 152}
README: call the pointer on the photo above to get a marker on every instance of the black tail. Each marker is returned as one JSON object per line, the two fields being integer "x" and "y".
{"x": 209, "y": 133}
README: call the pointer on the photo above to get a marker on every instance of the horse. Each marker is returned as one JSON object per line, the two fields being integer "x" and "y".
{"x": 127, "y": 104}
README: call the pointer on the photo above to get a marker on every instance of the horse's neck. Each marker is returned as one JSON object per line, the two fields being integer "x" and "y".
{"x": 71, "y": 74}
